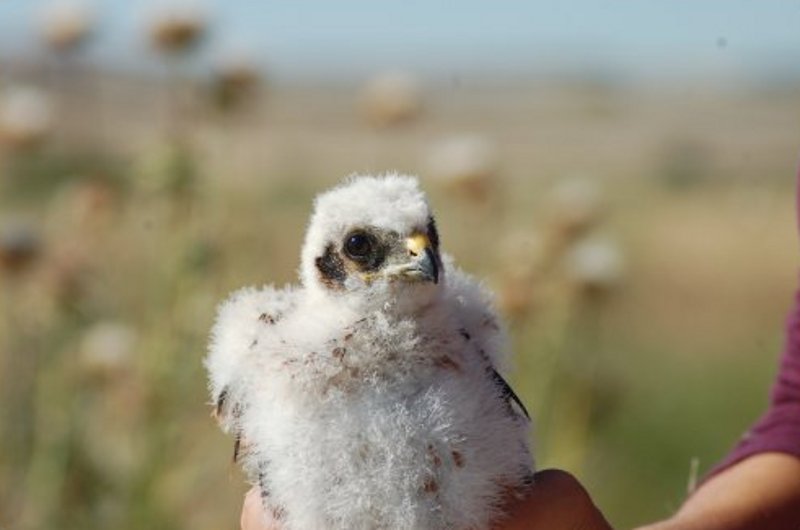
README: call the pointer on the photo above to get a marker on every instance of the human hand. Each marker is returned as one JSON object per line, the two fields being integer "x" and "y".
{"x": 761, "y": 492}
{"x": 556, "y": 501}
{"x": 254, "y": 517}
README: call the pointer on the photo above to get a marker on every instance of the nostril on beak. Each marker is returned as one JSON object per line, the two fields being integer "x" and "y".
{"x": 412, "y": 253}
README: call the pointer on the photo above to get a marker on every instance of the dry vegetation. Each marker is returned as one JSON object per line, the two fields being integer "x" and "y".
{"x": 120, "y": 233}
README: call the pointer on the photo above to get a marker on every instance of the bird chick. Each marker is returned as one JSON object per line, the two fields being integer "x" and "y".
{"x": 371, "y": 396}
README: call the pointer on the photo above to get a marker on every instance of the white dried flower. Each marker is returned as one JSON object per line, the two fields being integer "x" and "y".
{"x": 26, "y": 115}
{"x": 65, "y": 24}
{"x": 467, "y": 163}
{"x": 595, "y": 265}
{"x": 177, "y": 28}
{"x": 107, "y": 348}
{"x": 525, "y": 262}
{"x": 236, "y": 68}
{"x": 577, "y": 204}
{"x": 391, "y": 98}
{"x": 522, "y": 252}
{"x": 235, "y": 77}
{"x": 65, "y": 276}
{"x": 93, "y": 200}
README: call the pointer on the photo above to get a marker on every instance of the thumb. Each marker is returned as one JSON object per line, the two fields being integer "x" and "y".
{"x": 254, "y": 516}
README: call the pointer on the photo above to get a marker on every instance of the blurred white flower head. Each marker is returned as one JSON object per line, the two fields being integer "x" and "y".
{"x": 595, "y": 264}
{"x": 235, "y": 77}
{"x": 66, "y": 24}
{"x": 26, "y": 116}
{"x": 522, "y": 252}
{"x": 391, "y": 98}
{"x": 177, "y": 28}
{"x": 522, "y": 255}
{"x": 236, "y": 67}
{"x": 577, "y": 204}
{"x": 107, "y": 348}
{"x": 467, "y": 163}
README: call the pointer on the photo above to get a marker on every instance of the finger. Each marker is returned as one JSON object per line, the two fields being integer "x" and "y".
{"x": 556, "y": 500}
{"x": 254, "y": 517}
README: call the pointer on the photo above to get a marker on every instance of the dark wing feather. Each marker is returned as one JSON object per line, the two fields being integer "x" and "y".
{"x": 507, "y": 393}
{"x": 228, "y": 413}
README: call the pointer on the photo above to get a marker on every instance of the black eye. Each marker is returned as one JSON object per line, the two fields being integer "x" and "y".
{"x": 358, "y": 246}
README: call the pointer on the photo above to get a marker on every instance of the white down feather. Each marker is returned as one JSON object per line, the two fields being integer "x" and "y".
{"x": 357, "y": 416}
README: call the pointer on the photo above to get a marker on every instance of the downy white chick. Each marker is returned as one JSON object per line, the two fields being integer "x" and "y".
{"x": 370, "y": 397}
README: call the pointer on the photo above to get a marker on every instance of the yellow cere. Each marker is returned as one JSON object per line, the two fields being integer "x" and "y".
{"x": 417, "y": 243}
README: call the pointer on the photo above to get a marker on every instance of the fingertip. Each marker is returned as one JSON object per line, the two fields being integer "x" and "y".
{"x": 254, "y": 517}
{"x": 561, "y": 488}
{"x": 558, "y": 482}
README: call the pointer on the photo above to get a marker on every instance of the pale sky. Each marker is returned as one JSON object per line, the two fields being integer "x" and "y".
{"x": 350, "y": 38}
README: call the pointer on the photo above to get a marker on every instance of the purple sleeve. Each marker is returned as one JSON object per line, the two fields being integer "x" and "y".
{"x": 778, "y": 430}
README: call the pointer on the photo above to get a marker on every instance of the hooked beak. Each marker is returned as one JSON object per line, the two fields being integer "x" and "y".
{"x": 424, "y": 265}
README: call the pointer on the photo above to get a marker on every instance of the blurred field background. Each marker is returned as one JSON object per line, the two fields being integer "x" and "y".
{"x": 640, "y": 236}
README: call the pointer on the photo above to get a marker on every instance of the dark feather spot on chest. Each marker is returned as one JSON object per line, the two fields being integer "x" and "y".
{"x": 267, "y": 318}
